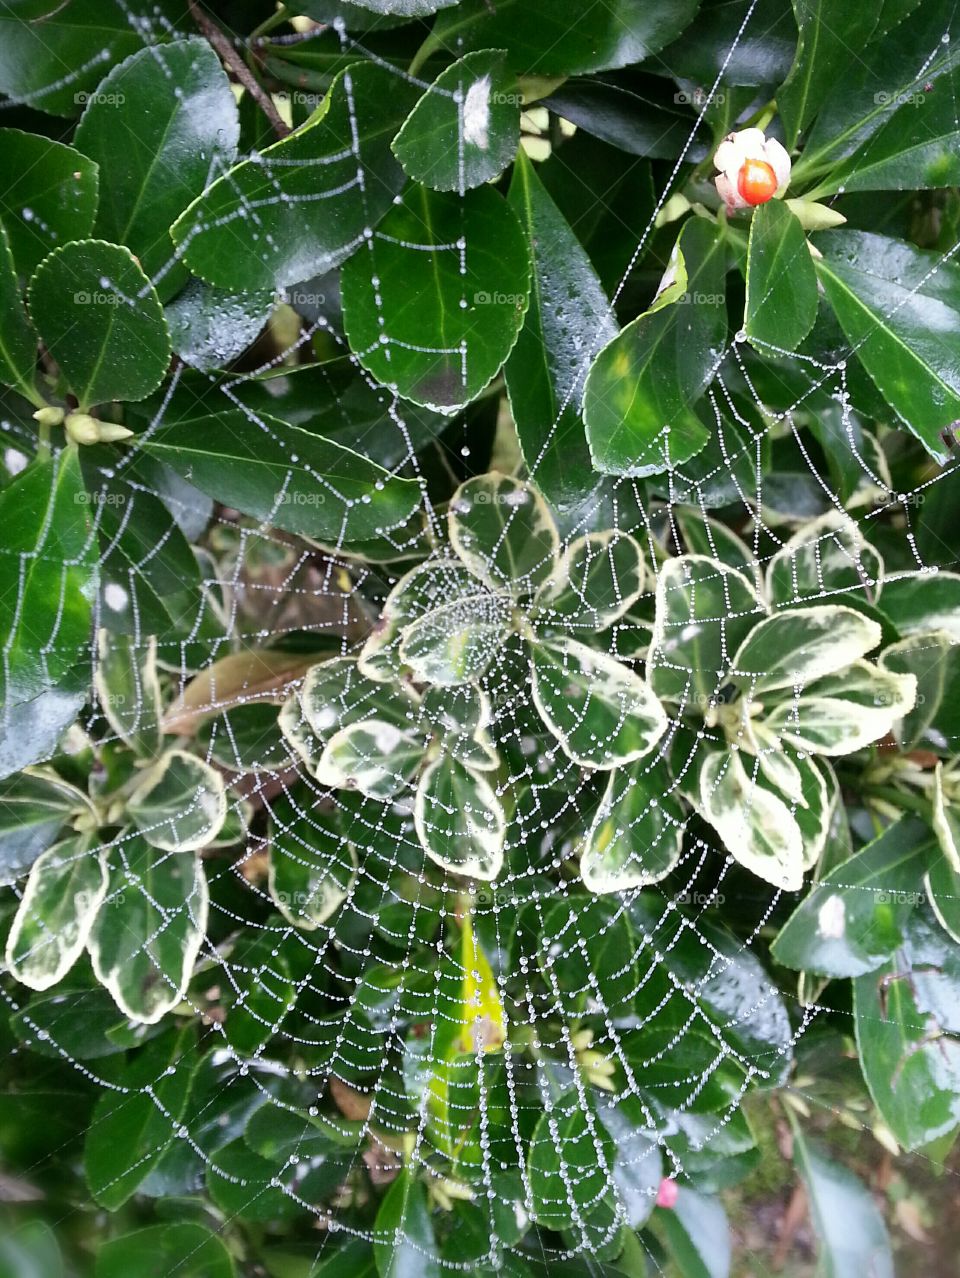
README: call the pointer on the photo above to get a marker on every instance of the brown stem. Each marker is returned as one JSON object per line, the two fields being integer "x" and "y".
{"x": 232, "y": 60}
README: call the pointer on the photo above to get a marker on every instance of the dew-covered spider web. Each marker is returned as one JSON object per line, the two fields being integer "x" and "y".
{"x": 385, "y": 945}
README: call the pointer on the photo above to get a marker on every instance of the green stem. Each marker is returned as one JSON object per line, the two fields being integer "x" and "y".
{"x": 899, "y": 798}
{"x": 43, "y": 439}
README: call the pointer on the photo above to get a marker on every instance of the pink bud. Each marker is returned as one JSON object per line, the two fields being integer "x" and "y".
{"x": 667, "y": 1193}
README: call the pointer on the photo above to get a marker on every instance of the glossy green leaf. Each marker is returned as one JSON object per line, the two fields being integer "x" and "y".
{"x": 567, "y": 321}
{"x": 128, "y": 691}
{"x": 50, "y": 196}
{"x": 825, "y": 556}
{"x": 465, "y": 129}
{"x": 288, "y": 477}
{"x": 34, "y": 807}
{"x": 150, "y": 928}
{"x": 210, "y": 327}
{"x": 704, "y": 611}
{"x": 570, "y": 1162}
{"x": 853, "y": 919}
{"x": 798, "y": 646}
{"x": 433, "y": 305}
{"x": 696, "y": 1233}
{"x": 943, "y": 892}
{"x": 850, "y": 1229}
{"x": 245, "y": 738}
{"x": 502, "y": 529}
{"x": 100, "y": 318}
{"x": 827, "y": 37}
{"x": 404, "y": 1245}
{"x": 781, "y": 305}
{"x": 923, "y": 602}
{"x": 134, "y": 1123}
{"x": 312, "y": 866}
{"x": 601, "y": 711}
{"x": 62, "y": 895}
{"x": 187, "y": 1249}
{"x": 18, "y": 342}
{"x": 455, "y": 643}
{"x": 755, "y": 825}
{"x": 907, "y": 1026}
{"x": 637, "y": 833}
{"x": 302, "y": 205}
{"x": 53, "y": 58}
{"x": 461, "y": 716}
{"x": 179, "y": 803}
{"x": 159, "y": 126}
{"x": 896, "y": 304}
{"x": 934, "y": 661}
{"x": 263, "y": 990}
{"x": 48, "y": 576}
{"x": 459, "y": 819}
{"x": 639, "y": 396}
{"x": 562, "y": 37}
{"x": 843, "y": 712}
{"x": 598, "y": 578}
{"x": 30, "y": 1250}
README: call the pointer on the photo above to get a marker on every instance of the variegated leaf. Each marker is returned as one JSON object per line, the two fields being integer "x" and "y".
{"x": 149, "y": 929}
{"x": 704, "y": 611}
{"x": 57, "y": 909}
{"x": 756, "y": 826}
{"x": 602, "y": 712}
{"x": 597, "y": 580}
{"x": 455, "y": 643}
{"x": 826, "y": 556}
{"x": 637, "y": 834}
{"x": 459, "y": 820}
{"x": 180, "y": 803}
{"x": 793, "y": 648}
{"x": 502, "y": 529}
{"x": 923, "y": 601}
{"x": 844, "y": 712}
{"x": 128, "y": 690}
{"x": 946, "y": 822}
{"x": 460, "y": 717}
{"x": 375, "y": 757}
{"x": 934, "y": 659}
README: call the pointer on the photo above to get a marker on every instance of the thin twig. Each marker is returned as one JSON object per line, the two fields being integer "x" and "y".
{"x": 232, "y": 60}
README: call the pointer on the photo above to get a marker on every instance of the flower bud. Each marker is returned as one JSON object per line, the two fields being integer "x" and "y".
{"x": 84, "y": 429}
{"x": 49, "y": 416}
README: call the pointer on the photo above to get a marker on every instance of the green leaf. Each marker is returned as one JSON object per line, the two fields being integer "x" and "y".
{"x": 562, "y": 37}
{"x": 57, "y": 909}
{"x": 853, "y": 919}
{"x": 570, "y": 1162}
{"x": 465, "y": 129}
{"x": 403, "y": 1243}
{"x": 844, "y": 712}
{"x": 210, "y": 327}
{"x": 502, "y": 529}
{"x": 825, "y": 556}
{"x": 301, "y": 206}
{"x": 934, "y": 661}
{"x": 433, "y": 305}
{"x": 245, "y": 738}
{"x": 704, "y": 611}
{"x": 128, "y": 690}
{"x": 30, "y": 1250}
{"x": 636, "y": 836}
{"x": 852, "y": 1235}
{"x": 567, "y": 321}
{"x": 639, "y": 396}
{"x": 696, "y": 1233}
{"x": 149, "y": 929}
{"x": 53, "y": 58}
{"x": 923, "y": 602}
{"x": 598, "y": 578}
{"x": 755, "y": 825}
{"x": 781, "y": 306}
{"x": 602, "y": 712}
{"x": 375, "y": 757}
{"x": 34, "y": 807}
{"x": 943, "y": 892}
{"x": 262, "y": 992}
{"x": 895, "y": 304}
{"x": 287, "y": 477}
{"x": 460, "y": 717}
{"x": 184, "y": 1248}
{"x": 179, "y": 803}
{"x": 48, "y": 576}
{"x": 49, "y": 197}
{"x": 158, "y": 126}
{"x": 455, "y": 643}
{"x": 134, "y": 1122}
{"x": 312, "y": 865}
{"x": 793, "y": 648}
{"x": 822, "y": 58}
{"x": 247, "y": 1187}
{"x": 586, "y": 951}
{"x": 459, "y": 819}
{"x": 101, "y": 320}
{"x": 906, "y": 1022}
{"x": 18, "y": 342}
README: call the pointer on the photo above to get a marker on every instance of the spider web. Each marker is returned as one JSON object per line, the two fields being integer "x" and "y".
{"x": 320, "y": 1052}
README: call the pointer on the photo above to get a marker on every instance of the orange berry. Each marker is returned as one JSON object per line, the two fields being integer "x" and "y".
{"x": 757, "y": 182}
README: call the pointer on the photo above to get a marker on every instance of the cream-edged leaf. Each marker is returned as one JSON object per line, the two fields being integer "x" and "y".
{"x": 375, "y": 757}
{"x": 601, "y": 711}
{"x": 636, "y": 835}
{"x": 180, "y": 803}
{"x": 946, "y": 823}
{"x": 312, "y": 865}
{"x": 597, "y": 580}
{"x": 502, "y": 529}
{"x": 844, "y": 712}
{"x": 826, "y": 556}
{"x": 455, "y": 643}
{"x": 59, "y": 904}
{"x": 756, "y": 826}
{"x": 793, "y": 648}
{"x": 128, "y": 690}
{"x": 459, "y": 820}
